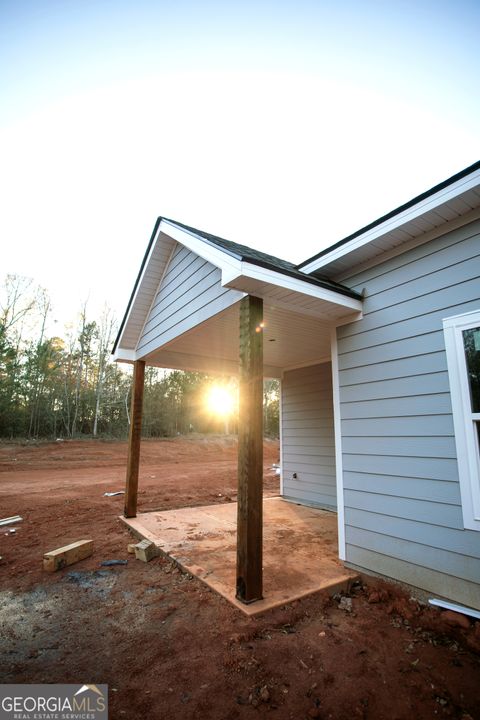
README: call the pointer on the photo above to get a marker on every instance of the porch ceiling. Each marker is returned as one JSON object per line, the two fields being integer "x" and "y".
{"x": 291, "y": 339}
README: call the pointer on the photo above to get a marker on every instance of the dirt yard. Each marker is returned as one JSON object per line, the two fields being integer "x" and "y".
{"x": 170, "y": 648}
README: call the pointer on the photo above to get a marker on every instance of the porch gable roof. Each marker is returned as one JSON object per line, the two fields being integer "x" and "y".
{"x": 243, "y": 269}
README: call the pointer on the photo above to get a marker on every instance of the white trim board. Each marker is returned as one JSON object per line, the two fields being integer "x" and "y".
{"x": 338, "y": 447}
{"x": 280, "y": 425}
{"x": 271, "y": 277}
{"x": 466, "y": 442}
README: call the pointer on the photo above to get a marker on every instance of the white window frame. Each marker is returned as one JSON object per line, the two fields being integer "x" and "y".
{"x": 466, "y": 437}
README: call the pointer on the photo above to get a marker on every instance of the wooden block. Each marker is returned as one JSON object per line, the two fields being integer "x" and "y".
{"x": 131, "y": 547}
{"x": 145, "y": 550}
{"x": 67, "y": 555}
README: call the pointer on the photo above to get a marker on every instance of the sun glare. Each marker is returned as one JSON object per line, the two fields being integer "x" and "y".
{"x": 220, "y": 400}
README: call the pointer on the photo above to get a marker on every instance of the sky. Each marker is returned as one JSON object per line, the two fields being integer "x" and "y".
{"x": 280, "y": 125}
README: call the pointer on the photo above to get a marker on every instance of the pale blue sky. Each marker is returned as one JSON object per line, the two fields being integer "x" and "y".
{"x": 282, "y": 125}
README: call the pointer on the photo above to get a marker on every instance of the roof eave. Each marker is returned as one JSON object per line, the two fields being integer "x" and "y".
{"x": 452, "y": 187}
{"x": 136, "y": 285}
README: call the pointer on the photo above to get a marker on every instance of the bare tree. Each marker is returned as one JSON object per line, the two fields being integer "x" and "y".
{"x": 44, "y": 306}
{"x": 106, "y": 329}
{"x": 17, "y": 300}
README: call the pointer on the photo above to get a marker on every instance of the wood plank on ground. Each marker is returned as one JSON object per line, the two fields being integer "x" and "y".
{"x": 67, "y": 555}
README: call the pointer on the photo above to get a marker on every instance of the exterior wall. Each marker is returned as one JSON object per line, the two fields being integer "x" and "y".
{"x": 403, "y": 513}
{"x": 189, "y": 293}
{"x": 308, "y": 445}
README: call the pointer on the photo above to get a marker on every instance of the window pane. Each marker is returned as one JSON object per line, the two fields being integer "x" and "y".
{"x": 471, "y": 343}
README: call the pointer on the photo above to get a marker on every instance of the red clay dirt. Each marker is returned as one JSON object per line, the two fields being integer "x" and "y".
{"x": 170, "y": 648}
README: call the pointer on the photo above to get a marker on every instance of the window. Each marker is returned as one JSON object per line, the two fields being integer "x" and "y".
{"x": 462, "y": 343}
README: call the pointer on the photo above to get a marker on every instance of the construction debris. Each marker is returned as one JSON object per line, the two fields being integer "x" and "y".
{"x": 145, "y": 550}
{"x": 131, "y": 548}
{"x": 112, "y": 494}
{"x": 345, "y": 604}
{"x": 67, "y": 555}
{"x": 107, "y": 563}
{"x": 11, "y": 520}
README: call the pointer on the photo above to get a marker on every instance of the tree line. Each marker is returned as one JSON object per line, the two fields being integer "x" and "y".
{"x": 66, "y": 385}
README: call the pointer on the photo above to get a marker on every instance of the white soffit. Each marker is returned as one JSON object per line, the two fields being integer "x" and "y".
{"x": 436, "y": 214}
{"x": 290, "y": 340}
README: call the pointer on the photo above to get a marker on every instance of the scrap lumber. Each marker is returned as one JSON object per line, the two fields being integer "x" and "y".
{"x": 145, "y": 550}
{"x": 11, "y": 520}
{"x": 67, "y": 555}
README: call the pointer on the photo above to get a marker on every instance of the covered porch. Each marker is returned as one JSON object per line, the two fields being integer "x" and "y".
{"x": 300, "y": 549}
{"x": 202, "y": 303}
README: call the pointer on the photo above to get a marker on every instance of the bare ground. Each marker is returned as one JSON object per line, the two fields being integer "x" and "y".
{"x": 167, "y": 646}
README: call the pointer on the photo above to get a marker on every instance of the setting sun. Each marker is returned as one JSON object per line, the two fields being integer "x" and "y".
{"x": 220, "y": 400}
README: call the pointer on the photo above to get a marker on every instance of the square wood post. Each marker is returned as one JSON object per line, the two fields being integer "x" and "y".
{"x": 133, "y": 460}
{"x": 250, "y": 452}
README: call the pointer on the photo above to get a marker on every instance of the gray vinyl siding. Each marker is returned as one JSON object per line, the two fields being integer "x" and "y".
{"x": 189, "y": 293}
{"x": 403, "y": 515}
{"x": 308, "y": 436}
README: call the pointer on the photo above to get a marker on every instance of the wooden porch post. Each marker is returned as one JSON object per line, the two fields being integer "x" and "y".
{"x": 250, "y": 452}
{"x": 133, "y": 460}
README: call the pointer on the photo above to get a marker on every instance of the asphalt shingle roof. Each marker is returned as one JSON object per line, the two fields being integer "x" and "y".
{"x": 256, "y": 257}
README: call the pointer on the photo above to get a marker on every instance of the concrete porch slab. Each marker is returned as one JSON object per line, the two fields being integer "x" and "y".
{"x": 299, "y": 549}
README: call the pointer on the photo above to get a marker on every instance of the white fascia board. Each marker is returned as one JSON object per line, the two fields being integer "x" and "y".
{"x": 138, "y": 288}
{"x": 264, "y": 275}
{"x": 123, "y": 355}
{"x": 204, "y": 249}
{"x": 194, "y": 243}
{"x": 424, "y": 206}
